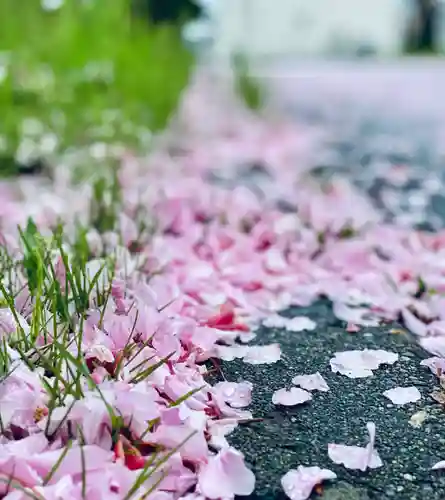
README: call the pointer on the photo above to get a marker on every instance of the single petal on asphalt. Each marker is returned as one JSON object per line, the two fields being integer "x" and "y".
{"x": 439, "y": 465}
{"x": 275, "y": 321}
{"x": 299, "y": 483}
{"x": 356, "y": 457}
{"x": 313, "y": 382}
{"x": 434, "y": 345}
{"x": 229, "y": 353}
{"x": 403, "y": 395}
{"x": 360, "y": 364}
{"x": 435, "y": 364}
{"x": 262, "y": 354}
{"x": 297, "y": 324}
{"x": 300, "y": 323}
{"x": 295, "y": 396}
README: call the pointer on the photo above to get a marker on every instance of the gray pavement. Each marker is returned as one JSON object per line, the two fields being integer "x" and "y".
{"x": 376, "y": 116}
{"x": 288, "y": 437}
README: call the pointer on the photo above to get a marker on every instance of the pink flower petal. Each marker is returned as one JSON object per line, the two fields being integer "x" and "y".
{"x": 434, "y": 345}
{"x": 297, "y": 324}
{"x": 414, "y": 324}
{"x": 359, "y": 364}
{"x": 356, "y": 457}
{"x": 229, "y": 353}
{"x": 313, "y": 382}
{"x": 357, "y": 315}
{"x": 435, "y": 364}
{"x": 352, "y": 328}
{"x": 226, "y": 475}
{"x": 238, "y": 395}
{"x": 403, "y": 395}
{"x": 295, "y": 396}
{"x": 299, "y": 483}
{"x": 260, "y": 355}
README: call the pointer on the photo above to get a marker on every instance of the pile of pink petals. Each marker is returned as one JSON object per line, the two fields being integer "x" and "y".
{"x": 212, "y": 263}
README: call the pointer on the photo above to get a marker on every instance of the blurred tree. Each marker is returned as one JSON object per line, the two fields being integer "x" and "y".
{"x": 168, "y": 11}
{"x": 428, "y": 35}
{"x": 422, "y": 34}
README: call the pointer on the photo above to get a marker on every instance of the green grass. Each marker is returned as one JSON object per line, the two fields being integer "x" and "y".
{"x": 60, "y": 301}
{"x": 86, "y": 72}
{"x": 246, "y": 86}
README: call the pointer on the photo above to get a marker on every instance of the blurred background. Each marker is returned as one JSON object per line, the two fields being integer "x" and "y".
{"x": 89, "y": 73}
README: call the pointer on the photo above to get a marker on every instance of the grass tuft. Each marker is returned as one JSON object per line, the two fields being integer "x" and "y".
{"x": 87, "y": 72}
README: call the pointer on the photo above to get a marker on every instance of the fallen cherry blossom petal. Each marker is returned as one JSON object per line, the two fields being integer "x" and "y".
{"x": 259, "y": 355}
{"x": 357, "y": 315}
{"x": 360, "y": 364}
{"x": 229, "y": 353}
{"x": 238, "y": 395}
{"x": 435, "y": 364}
{"x": 226, "y": 475}
{"x": 299, "y": 483}
{"x": 189, "y": 277}
{"x": 313, "y": 382}
{"x": 414, "y": 324}
{"x": 300, "y": 323}
{"x": 352, "y": 328}
{"x": 297, "y": 324}
{"x": 295, "y": 396}
{"x": 434, "y": 345}
{"x": 356, "y": 457}
{"x": 403, "y": 395}
{"x": 439, "y": 465}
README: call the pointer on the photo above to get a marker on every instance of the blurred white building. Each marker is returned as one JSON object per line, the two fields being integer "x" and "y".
{"x": 268, "y": 28}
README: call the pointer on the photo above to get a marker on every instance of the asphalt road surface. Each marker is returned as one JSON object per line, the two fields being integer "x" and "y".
{"x": 379, "y": 118}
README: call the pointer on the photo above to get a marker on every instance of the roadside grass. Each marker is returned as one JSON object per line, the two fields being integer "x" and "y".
{"x": 247, "y": 87}
{"x": 49, "y": 284}
{"x": 88, "y": 72}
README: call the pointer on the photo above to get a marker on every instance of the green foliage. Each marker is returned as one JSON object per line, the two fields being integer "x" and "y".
{"x": 246, "y": 86}
{"x": 86, "y": 71}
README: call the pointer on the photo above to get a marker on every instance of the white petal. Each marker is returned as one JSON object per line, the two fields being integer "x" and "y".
{"x": 358, "y": 364}
{"x": 297, "y": 324}
{"x": 439, "y": 465}
{"x": 298, "y": 484}
{"x": 382, "y": 357}
{"x": 357, "y": 315}
{"x": 356, "y": 457}
{"x": 434, "y": 345}
{"x": 414, "y": 324}
{"x": 226, "y": 475}
{"x": 229, "y": 353}
{"x": 293, "y": 397}
{"x": 300, "y": 323}
{"x": 372, "y": 458}
{"x": 265, "y": 354}
{"x": 313, "y": 382}
{"x": 275, "y": 321}
{"x": 353, "y": 457}
{"x": 403, "y": 395}
{"x": 435, "y": 364}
